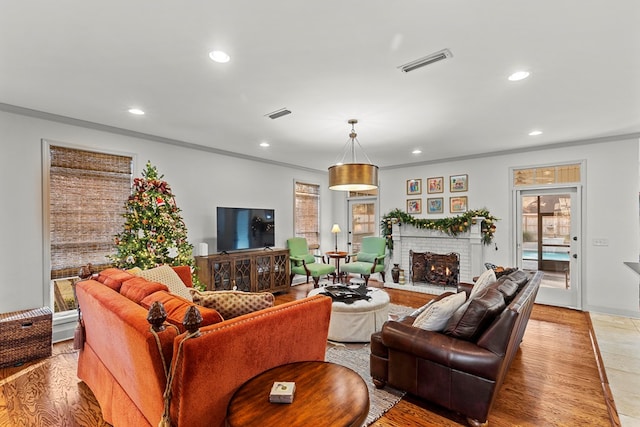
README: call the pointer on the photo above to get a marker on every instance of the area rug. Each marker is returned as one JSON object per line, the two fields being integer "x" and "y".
{"x": 356, "y": 357}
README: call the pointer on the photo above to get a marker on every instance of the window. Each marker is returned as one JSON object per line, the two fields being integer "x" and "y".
{"x": 560, "y": 174}
{"x": 364, "y": 193}
{"x": 307, "y": 212}
{"x": 87, "y": 192}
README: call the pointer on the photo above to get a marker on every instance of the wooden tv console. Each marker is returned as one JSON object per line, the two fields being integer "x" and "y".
{"x": 264, "y": 270}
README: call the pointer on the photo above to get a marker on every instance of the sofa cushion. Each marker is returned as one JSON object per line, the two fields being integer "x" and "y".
{"x": 176, "y": 307}
{"x": 519, "y": 277}
{"x": 233, "y": 303}
{"x": 472, "y": 318}
{"x": 137, "y": 288}
{"x": 436, "y": 316}
{"x": 165, "y": 275}
{"x": 484, "y": 280}
{"x": 113, "y": 278}
{"x": 507, "y": 288}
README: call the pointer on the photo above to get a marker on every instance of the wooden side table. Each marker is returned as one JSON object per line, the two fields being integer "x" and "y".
{"x": 337, "y": 256}
{"x": 326, "y": 394}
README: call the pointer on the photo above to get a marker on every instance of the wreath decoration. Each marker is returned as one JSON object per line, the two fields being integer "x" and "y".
{"x": 450, "y": 225}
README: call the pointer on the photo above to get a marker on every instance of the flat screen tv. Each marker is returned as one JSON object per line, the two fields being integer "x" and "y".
{"x": 245, "y": 228}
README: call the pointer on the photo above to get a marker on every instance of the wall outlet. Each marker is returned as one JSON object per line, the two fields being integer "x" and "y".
{"x": 600, "y": 242}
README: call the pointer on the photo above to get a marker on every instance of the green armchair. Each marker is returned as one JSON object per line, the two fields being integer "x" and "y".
{"x": 369, "y": 260}
{"x": 304, "y": 263}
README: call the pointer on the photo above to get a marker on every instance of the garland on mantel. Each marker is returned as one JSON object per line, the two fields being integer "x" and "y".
{"x": 451, "y": 225}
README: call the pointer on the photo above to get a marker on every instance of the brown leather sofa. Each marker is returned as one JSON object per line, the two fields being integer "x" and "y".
{"x": 462, "y": 375}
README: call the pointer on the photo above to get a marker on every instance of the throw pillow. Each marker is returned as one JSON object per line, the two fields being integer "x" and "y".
{"x": 485, "y": 279}
{"x": 233, "y": 303}
{"x": 135, "y": 271}
{"x": 165, "y": 275}
{"x": 437, "y": 315}
{"x": 508, "y": 289}
{"x": 519, "y": 277}
{"x": 472, "y": 318}
{"x": 417, "y": 311}
{"x": 137, "y": 288}
{"x": 176, "y": 308}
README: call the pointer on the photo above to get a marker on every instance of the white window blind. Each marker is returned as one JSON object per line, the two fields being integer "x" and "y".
{"x": 307, "y": 212}
{"x": 87, "y": 195}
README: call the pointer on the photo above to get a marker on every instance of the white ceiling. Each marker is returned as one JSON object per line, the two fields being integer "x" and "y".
{"x": 329, "y": 61}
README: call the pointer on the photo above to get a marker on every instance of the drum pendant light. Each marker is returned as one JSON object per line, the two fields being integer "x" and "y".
{"x": 353, "y": 176}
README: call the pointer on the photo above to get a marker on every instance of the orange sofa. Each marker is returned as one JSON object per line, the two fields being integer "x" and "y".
{"x": 121, "y": 362}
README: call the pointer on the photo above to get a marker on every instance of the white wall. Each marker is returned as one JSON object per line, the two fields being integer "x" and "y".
{"x": 611, "y": 211}
{"x": 200, "y": 180}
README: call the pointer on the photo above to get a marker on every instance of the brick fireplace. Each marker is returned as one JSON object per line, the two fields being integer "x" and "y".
{"x": 408, "y": 238}
{"x": 433, "y": 268}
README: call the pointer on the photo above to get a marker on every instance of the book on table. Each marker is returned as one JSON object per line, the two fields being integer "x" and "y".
{"x": 282, "y": 392}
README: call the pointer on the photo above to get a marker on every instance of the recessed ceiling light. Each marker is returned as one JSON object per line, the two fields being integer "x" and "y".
{"x": 535, "y": 133}
{"x": 264, "y": 144}
{"x": 136, "y": 111}
{"x": 519, "y": 75}
{"x": 417, "y": 151}
{"x": 219, "y": 56}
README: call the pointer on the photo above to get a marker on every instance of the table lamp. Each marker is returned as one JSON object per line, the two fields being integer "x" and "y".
{"x": 335, "y": 230}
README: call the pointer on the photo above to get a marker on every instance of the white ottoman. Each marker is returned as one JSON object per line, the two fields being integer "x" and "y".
{"x": 356, "y": 322}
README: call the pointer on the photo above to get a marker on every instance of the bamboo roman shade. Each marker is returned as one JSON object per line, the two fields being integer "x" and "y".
{"x": 87, "y": 195}
{"x": 307, "y": 209}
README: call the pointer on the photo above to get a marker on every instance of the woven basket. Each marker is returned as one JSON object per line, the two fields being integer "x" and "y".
{"x": 24, "y": 336}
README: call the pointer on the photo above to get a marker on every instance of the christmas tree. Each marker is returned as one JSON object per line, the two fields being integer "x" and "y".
{"x": 154, "y": 232}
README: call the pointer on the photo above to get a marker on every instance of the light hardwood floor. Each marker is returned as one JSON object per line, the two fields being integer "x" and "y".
{"x": 554, "y": 381}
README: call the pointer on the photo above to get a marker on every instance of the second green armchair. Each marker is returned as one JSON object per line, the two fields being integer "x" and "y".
{"x": 369, "y": 260}
{"x": 304, "y": 263}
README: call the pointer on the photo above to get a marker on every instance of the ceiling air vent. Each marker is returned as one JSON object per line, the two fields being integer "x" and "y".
{"x": 278, "y": 113}
{"x": 427, "y": 60}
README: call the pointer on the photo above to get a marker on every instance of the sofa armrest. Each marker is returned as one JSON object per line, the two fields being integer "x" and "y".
{"x": 119, "y": 341}
{"x": 229, "y": 353}
{"x": 297, "y": 260}
{"x": 442, "y": 349}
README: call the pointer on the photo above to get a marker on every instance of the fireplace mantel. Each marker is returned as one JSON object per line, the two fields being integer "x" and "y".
{"x": 468, "y": 244}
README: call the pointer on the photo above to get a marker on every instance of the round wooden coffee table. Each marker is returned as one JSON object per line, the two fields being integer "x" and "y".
{"x": 326, "y": 394}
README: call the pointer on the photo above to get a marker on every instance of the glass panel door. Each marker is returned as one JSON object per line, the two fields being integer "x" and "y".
{"x": 363, "y": 222}
{"x": 548, "y": 240}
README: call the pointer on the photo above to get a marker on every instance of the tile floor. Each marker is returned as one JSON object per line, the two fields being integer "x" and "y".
{"x": 619, "y": 342}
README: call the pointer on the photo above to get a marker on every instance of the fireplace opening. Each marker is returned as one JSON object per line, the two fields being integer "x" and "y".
{"x": 435, "y": 269}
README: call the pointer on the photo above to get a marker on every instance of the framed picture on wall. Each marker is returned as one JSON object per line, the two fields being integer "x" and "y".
{"x": 458, "y": 183}
{"x": 414, "y": 206}
{"x": 435, "y": 185}
{"x": 458, "y": 204}
{"x": 434, "y": 205}
{"x": 414, "y": 186}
